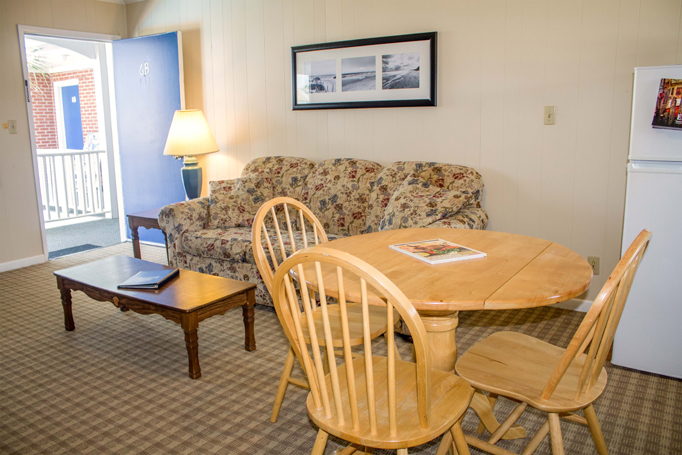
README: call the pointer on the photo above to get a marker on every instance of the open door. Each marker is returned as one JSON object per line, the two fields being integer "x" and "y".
{"x": 149, "y": 89}
{"x": 100, "y": 153}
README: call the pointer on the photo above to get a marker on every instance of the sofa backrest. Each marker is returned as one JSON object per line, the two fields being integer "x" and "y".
{"x": 338, "y": 192}
{"x": 450, "y": 176}
{"x": 287, "y": 174}
{"x": 348, "y": 195}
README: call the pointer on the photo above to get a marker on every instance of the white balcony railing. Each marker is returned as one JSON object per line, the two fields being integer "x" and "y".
{"x": 73, "y": 183}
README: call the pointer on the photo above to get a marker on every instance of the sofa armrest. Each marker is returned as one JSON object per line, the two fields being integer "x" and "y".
{"x": 177, "y": 218}
{"x": 466, "y": 218}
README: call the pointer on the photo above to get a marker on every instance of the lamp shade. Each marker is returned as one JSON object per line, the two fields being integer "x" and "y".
{"x": 189, "y": 134}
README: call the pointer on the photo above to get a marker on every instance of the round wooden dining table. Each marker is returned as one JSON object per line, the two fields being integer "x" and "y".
{"x": 518, "y": 271}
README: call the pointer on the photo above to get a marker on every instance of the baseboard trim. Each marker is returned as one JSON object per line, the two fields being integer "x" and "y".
{"x": 581, "y": 305}
{"x": 21, "y": 263}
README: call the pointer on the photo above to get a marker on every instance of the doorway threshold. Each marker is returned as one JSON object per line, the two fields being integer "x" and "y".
{"x": 72, "y": 238}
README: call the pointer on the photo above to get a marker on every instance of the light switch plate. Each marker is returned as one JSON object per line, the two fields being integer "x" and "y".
{"x": 550, "y": 115}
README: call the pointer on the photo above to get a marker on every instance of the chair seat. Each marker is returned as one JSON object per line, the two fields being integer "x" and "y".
{"x": 450, "y": 396}
{"x": 377, "y": 323}
{"x": 518, "y": 366}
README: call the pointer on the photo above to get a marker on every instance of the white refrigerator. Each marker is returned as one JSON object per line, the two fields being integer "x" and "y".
{"x": 649, "y": 337}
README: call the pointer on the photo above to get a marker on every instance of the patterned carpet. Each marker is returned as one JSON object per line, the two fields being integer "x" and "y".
{"x": 118, "y": 384}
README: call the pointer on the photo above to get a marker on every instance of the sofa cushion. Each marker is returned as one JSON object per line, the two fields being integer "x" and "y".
{"x": 287, "y": 174}
{"x": 418, "y": 203}
{"x": 338, "y": 193}
{"x": 467, "y": 218}
{"x": 222, "y": 186}
{"x": 450, "y": 176}
{"x": 227, "y": 244}
{"x": 230, "y": 244}
{"x": 235, "y": 202}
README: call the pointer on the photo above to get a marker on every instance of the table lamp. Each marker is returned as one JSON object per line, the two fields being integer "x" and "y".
{"x": 188, "y": 137}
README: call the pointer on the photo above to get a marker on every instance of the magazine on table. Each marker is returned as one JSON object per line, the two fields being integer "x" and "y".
{"x": 149, "y": 279}
{"x": 437, "y": 251}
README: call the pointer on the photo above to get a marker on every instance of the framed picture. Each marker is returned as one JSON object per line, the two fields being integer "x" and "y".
{"x": 390, "y": 71}
{"x": 668, "y": 112}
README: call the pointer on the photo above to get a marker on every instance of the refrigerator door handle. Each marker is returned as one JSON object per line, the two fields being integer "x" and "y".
{"x": 653, "y": 167}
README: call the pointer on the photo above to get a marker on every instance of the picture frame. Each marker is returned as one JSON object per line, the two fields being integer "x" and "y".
{"x": 388, "y": 71}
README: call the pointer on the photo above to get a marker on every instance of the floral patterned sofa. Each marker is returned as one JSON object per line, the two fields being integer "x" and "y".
{"x": 349, "y": 196}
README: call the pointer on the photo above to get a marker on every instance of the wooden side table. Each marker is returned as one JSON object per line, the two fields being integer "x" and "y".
{"x": 148, "y": 219}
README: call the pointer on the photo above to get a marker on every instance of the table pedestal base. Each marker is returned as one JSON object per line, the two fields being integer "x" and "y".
{"x": 440, "y": 334}
{"x": 441, "y": 331}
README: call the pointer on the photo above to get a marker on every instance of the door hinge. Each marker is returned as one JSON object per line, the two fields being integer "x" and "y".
{"x": 28, "y": 91}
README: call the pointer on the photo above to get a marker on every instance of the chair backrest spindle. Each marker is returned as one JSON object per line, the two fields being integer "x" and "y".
{"x": 276, "y": 234}
{"x": 307, "y": 311}
{"x": 347, "y": 351}
{"x": 363, "y": 382}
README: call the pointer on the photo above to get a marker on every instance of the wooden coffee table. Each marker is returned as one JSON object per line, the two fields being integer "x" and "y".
{"x": 187, "y": 300}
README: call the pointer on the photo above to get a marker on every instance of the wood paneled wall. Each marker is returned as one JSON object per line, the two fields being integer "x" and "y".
{"x": 500, "y": 62}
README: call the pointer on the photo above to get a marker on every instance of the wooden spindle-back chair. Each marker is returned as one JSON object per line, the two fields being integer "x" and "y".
{"x": 281, "y": 227}
{"x": 558, "y": 381}
{"x": 370, "y": 398}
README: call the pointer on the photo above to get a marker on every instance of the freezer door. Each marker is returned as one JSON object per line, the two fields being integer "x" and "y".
{"x": 647, "y": 142}
{"x": 649, "y": 337}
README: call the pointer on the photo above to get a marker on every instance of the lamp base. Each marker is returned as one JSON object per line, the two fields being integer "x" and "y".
{"x": 191, "y": 177}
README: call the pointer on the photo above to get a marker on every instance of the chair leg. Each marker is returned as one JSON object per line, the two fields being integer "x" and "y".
{"x": 445, "y": 444}
{"x": 460, "y": 441}
{"x": 320, "y": 443}
{"x": 536, "y": 440}
{"x": 283, "y": 383}
{"x": 595, "y": 430}
{"x": 555, "y": 434}
{"x": 492, "y": 399}
{"x": 506, "y": 425}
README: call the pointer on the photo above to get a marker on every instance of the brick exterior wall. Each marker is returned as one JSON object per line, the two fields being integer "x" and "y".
{"x": 44, "y": 115}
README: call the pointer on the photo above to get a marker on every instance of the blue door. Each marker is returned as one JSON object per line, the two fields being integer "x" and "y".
{"x": 147, "y": 82}
{"x": 73, "y": 127}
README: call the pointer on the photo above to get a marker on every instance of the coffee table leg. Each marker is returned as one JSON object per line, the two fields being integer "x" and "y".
{"x": 66, "y": 304}
{"x": 190, "y": 326}
{"x": 248, "y": 315}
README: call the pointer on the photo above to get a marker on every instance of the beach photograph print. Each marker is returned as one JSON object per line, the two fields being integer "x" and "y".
{"x": 358, "y": 73}
{"x": 321, "y": 76}
{"x": 668, "y": 112}
{"x": 399, "y": 71}
{"x": 387, "y": 71}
